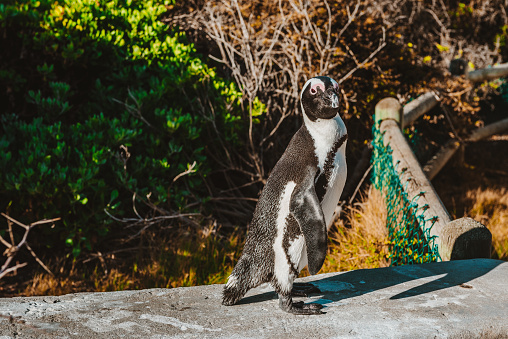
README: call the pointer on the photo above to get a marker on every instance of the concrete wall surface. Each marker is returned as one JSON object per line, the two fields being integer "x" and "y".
{"x": 462, "y": 299}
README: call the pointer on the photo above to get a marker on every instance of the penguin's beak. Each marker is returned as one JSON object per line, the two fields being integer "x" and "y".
{"x": 334, "y": 100}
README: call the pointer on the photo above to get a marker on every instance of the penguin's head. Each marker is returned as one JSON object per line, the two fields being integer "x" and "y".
{"x": 320, "y": 98}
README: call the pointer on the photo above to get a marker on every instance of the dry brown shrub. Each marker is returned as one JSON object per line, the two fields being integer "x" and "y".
{"x": 444, "y": 29}
{"x": 271, "y": 49}
{"x": 374, "y": 48}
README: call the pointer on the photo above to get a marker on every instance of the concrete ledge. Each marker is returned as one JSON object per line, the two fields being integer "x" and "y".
{"x": 466, "y": 298}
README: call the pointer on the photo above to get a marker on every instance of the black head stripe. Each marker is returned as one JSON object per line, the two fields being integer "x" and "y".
{"x": 326, "y": 80}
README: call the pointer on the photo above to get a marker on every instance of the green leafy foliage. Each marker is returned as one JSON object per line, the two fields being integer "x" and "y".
{"x": 101, "y": 100}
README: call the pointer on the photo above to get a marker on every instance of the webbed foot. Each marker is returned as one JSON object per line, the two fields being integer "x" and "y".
{"x": 303, "y": 289}
{"x": 287, "y": 305}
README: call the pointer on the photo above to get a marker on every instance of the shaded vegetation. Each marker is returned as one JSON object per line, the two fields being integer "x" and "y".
{"x": 102, "y": 101}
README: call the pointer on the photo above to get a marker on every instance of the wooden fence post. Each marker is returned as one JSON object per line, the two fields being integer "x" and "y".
{"x": 419, "y": 106}
{"x": 489, "y": 73}
{"x": 460, "y": 239}
{"x": 439, "y": 160}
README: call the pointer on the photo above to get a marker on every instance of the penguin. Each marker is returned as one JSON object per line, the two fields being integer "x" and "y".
{"x": 296, "y": 207}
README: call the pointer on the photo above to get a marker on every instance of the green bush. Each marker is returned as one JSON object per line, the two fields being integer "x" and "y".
{"x": 101, "y": 100}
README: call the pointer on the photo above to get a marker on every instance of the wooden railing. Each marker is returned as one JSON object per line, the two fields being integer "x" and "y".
{"x": 463, "y": 238}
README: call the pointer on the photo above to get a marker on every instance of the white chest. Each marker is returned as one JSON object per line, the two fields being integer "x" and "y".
{"x": 335, "y": 185}
{"x": 325, "y": 132}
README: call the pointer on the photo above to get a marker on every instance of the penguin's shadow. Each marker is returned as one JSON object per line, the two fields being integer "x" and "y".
{"x": 356, "y": 283}
{"x": 258, "y": 298}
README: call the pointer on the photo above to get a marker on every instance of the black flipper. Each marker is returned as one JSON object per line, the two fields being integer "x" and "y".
{"x": 307, "y": 210}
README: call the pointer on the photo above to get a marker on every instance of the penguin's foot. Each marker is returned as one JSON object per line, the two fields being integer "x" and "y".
{"x": 303, "y": 289}
{"x": 287, "y": 305}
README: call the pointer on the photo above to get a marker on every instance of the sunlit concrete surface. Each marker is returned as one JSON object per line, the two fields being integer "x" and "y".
{"x": 463, "y": 299}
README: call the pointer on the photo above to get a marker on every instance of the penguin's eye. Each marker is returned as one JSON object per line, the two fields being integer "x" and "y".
{"x": 314, "y": 88}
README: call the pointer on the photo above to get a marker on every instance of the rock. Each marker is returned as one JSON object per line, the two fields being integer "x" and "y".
{"x": 465, "y": 299}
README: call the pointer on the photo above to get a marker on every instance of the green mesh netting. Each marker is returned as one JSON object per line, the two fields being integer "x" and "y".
{"x": 408, "y": 230}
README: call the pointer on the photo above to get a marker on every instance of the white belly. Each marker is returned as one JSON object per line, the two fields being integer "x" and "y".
{"x": 335, "y": 186}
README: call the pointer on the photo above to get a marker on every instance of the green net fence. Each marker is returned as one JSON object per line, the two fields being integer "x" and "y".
{"x": 408, "y": 229}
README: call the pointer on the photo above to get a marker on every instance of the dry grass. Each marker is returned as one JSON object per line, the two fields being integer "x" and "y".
{"x": 45, "y": 284}
{"x": 357, "y": 241}
{"x": 182, "y": 260}
{"x": 490, "y": 207}
{"x": 361, "y": 241}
